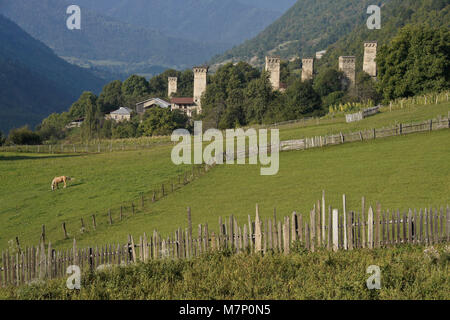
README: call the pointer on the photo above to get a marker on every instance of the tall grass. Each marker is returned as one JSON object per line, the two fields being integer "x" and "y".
{"x": 407, "y": 272}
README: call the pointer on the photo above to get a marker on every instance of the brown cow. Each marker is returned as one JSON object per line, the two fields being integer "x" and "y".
{"x": 57, "y": 180}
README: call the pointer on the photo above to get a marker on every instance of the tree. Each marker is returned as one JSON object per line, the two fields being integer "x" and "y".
{"x": 81, "y": 106}
{"x": 52, "y": 127}
{"x": 416, "y": 61}
{"x": 257, "y": 98}
{"x": 365, "y": 88}
{"x": 24, "y": 136}
{"x": 2, "y": 139}
{"x": 328, "y": 81}
{"x": 158, "y": 122}
{"x": 301, "y": 100}
{"x": 111, "y": 98}
{"x": 134, "y": 89}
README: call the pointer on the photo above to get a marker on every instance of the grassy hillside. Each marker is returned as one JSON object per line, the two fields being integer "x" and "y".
{"x": 33, "y": 86}
{"x": 101, "y": 182}
{"x": 380, "y": 170}
{"x": 406, "y": 273}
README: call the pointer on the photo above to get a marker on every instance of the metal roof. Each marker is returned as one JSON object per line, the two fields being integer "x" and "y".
{"x": 122, "y": 111}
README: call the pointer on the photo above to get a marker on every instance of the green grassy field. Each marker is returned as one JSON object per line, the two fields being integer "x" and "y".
{"x": 399, "y": 172}
{"x": 101, "y": 181}
{"x": 407, "y": 272}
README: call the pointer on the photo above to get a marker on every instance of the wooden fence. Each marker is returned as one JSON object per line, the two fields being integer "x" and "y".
{"x": 396, "y": 130}
{"x": 322, "y": 228}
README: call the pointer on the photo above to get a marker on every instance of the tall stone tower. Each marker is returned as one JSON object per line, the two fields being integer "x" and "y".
{"x": 199, "y": 85}
{"x": 307, "y": 69}
{"x": 347, "y": 65}
{"x": 172, "y": 86}
{"x": 370, "y": 53}
{"x": 273, "y": 66}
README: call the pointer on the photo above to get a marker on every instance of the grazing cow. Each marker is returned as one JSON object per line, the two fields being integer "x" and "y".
{"x": 57, "y": 180}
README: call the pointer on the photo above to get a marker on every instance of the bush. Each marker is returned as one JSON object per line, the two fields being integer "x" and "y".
{"x": 24, "y": 136}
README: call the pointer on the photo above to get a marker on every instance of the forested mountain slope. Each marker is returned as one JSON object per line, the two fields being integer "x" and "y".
{"x": 34, "y": 82}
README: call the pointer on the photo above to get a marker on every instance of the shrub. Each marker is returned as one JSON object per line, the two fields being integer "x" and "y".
{"x": 24, "y": 136}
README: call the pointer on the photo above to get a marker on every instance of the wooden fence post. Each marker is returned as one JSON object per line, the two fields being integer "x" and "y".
{"x": 94, "y": 223}
{"x": 43, "y": 234}
{"x": 344, "y": 207}
{"x": 286, "y": 236}
{"x": 335, "y": 226}
{"x": 350, "y": 230}
{"x": 257, "y": 231}
{"x": 370, "y": 228}
{"x": 64, "y": 229}
{"x": 323, "y": 218}
{"x": 110, "y": 218}
{"x": 312, "y": 227}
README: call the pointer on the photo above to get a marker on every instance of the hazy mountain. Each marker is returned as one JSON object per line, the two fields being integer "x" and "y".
{"x": 276, "y": 5}
{"x": 226, "y": 21}
{"x": 104, "y": 41}
{"x": 35, "y": 82}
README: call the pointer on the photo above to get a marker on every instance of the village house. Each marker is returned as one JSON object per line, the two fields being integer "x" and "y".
{"x": 142, "y": 106}
{"x": 187, "y": 105}
{"x": 122, "y": 114}
{"x": 75, "y": 123}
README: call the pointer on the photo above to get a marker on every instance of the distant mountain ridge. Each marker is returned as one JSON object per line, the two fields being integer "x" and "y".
{"x": 103, "y": 40}
{"x": 224, "y": 21}
{"x": 143, "y": 36}
{"x": 35, "y": 82}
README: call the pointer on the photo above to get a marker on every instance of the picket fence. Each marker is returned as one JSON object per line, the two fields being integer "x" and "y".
{"x": 325, "y": 229}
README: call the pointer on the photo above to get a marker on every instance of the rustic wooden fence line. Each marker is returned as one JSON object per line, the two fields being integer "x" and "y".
{"x": 326, "y": 229}
{"x": 396, "y": 130}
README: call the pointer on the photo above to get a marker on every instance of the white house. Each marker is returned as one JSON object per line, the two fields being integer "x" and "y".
{"x": 122, "y": 114}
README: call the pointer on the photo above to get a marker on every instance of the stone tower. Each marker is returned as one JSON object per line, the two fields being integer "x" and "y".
{"x": 273, "y": 66}
{"x": 370, "y": 53}
{"x": 199, "y": 85}
{"x": 307, "y": 69}
{"x": 172, "y": 86}
{"x": 348, "y": 66}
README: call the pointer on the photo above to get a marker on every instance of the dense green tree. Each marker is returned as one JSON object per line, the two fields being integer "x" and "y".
{"x": 23, "y": 136}
{"x": 365, "y": 88}
{"x": 223, "y": 100}
{"x": 111, "y": 98}
{"x": 2, "y": 138}
{"x": 417, "y": 60}
{"x": 302, "y": 100}
{"x": 125, "y": 129}
{"x": 134, "y": 89}
{"x": 328, "y": 81}
{"x": 80, "y": 107}
{"x": 52, "y": 127}
{"x": 257, "y": 98}
{"x": 158, "y": 121}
